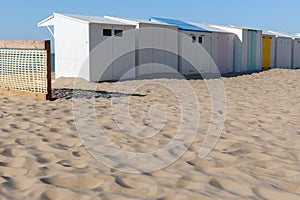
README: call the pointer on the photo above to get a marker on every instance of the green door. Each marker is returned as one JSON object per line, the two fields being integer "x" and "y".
{"x": 252, "y": 44}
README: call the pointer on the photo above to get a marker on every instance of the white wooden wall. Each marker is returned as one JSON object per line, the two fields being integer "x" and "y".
{"x": 223, "y": 54}
{"x": 283, "y": 58}
{"x": 107, "y": 61}
{"x": 199, "y": 55}
{"x": 259, "y": 50}
{"x": 296, "y": 53}
{"x": 214, "y": 51}
{"x": 157, "y": 49}
{"x": 244, "y": 64}
{"x": 71, "y": 48}
{"x": 230, "y": 66}
{"x": 273, "y": 49}
{"x": 241, "y": 48}
{"x": 240, "y": 52}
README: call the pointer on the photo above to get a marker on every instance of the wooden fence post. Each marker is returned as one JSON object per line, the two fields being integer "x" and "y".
{"x": 49, "y": 88}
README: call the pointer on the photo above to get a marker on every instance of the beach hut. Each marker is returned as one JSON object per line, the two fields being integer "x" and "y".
{"x": 296, "y": 52}
{"x": 268, "y": 52}
{"x": 283, "y": 50}
{"x": 221, "y": 48}
{"x": 192, "y": 58}
{"x": 156, "y": 46}
{"x": 247, "y": 48}
{"x": 75, "y": 40}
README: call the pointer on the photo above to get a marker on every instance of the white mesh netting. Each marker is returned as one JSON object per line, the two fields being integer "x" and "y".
{"x": 25, "y": 70}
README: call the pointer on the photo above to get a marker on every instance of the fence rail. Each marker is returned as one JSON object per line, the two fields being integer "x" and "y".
{"x": 25, "y": 68}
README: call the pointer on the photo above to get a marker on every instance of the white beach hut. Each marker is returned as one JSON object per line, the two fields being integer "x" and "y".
{"x": 192, "y": 58}
{"x": 247, "y": 48}
{"x": 77, "y": 36}
{"x": 283, "y": 52}
{"x": 221, "y": 47}
{"x": 268, "y": 52}
{"x": 156, "y": 46}
{"x": 296, "y": 52}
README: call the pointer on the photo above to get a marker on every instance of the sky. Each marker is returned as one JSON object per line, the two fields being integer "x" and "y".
{"x": 19, "y": 18}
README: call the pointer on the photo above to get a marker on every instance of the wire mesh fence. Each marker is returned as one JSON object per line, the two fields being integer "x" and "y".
{"x": 26, "y": 69}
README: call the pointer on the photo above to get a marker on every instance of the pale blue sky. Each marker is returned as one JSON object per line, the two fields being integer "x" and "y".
{"x": 18, "y": 18}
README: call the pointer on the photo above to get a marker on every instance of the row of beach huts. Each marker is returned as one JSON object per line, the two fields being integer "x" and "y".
{"x": 131, "y": 48}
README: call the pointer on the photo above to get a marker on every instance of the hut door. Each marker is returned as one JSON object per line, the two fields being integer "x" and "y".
{"x": 252, "y": 40}
{"x": 266, "y": 52}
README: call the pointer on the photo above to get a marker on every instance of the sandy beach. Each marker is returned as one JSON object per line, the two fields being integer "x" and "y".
{"x": 256, "y": 157}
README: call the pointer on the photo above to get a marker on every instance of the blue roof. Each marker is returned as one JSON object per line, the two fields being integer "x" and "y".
{"x": 181, "y": 24}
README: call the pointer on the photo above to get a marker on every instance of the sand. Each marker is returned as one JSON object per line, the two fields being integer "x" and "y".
{"x": 256, "y": 157}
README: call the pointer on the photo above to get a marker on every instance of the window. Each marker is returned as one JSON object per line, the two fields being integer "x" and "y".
{"x": 106, "y": 32}
{"x": 119, "y": 33}
{"x": 200, "y": 40}
{"x": 194, "y": 39}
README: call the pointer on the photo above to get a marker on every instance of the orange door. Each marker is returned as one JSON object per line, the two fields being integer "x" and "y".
{"x": 266, "y": 52}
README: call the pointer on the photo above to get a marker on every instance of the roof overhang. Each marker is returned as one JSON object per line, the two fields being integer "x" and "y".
{"x": 49, "y": 21}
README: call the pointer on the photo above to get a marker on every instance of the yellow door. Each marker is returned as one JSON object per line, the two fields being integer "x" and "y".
{"x": 266, "y": 52}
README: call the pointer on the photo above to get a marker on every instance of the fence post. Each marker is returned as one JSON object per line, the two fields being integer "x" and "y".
{"x": 49, "y": 88}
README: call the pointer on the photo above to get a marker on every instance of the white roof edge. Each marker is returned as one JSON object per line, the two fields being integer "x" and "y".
{"x": 119, "y": 19}
{"x": 210, "y": 27}
{"x": 77, "y": 19}
{"x": 278, "y": 34}
{"x": 268, "y": 33}
{"x": 235, "y": 27}
{"x": 245, "y": 27}
{"x": 44, "y": 21}
{"x": 69, "y": 17}
{"x": 159, "y": 24}
{"x": 113, "y": 22}
{"x": 297, "y": 36}
{"x": 222, "y": 26}
{"x": 138, "y": 21}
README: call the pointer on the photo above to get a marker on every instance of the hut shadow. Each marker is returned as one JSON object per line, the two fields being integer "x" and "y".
{"x": 236, "y": 74}
{"x": 69, "y": 94}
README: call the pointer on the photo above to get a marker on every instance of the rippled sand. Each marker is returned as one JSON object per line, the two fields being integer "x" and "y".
{"x": 256, "y": 157}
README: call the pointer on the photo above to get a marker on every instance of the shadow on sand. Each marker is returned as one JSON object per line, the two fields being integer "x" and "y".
{"x": 68, "y": 94}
